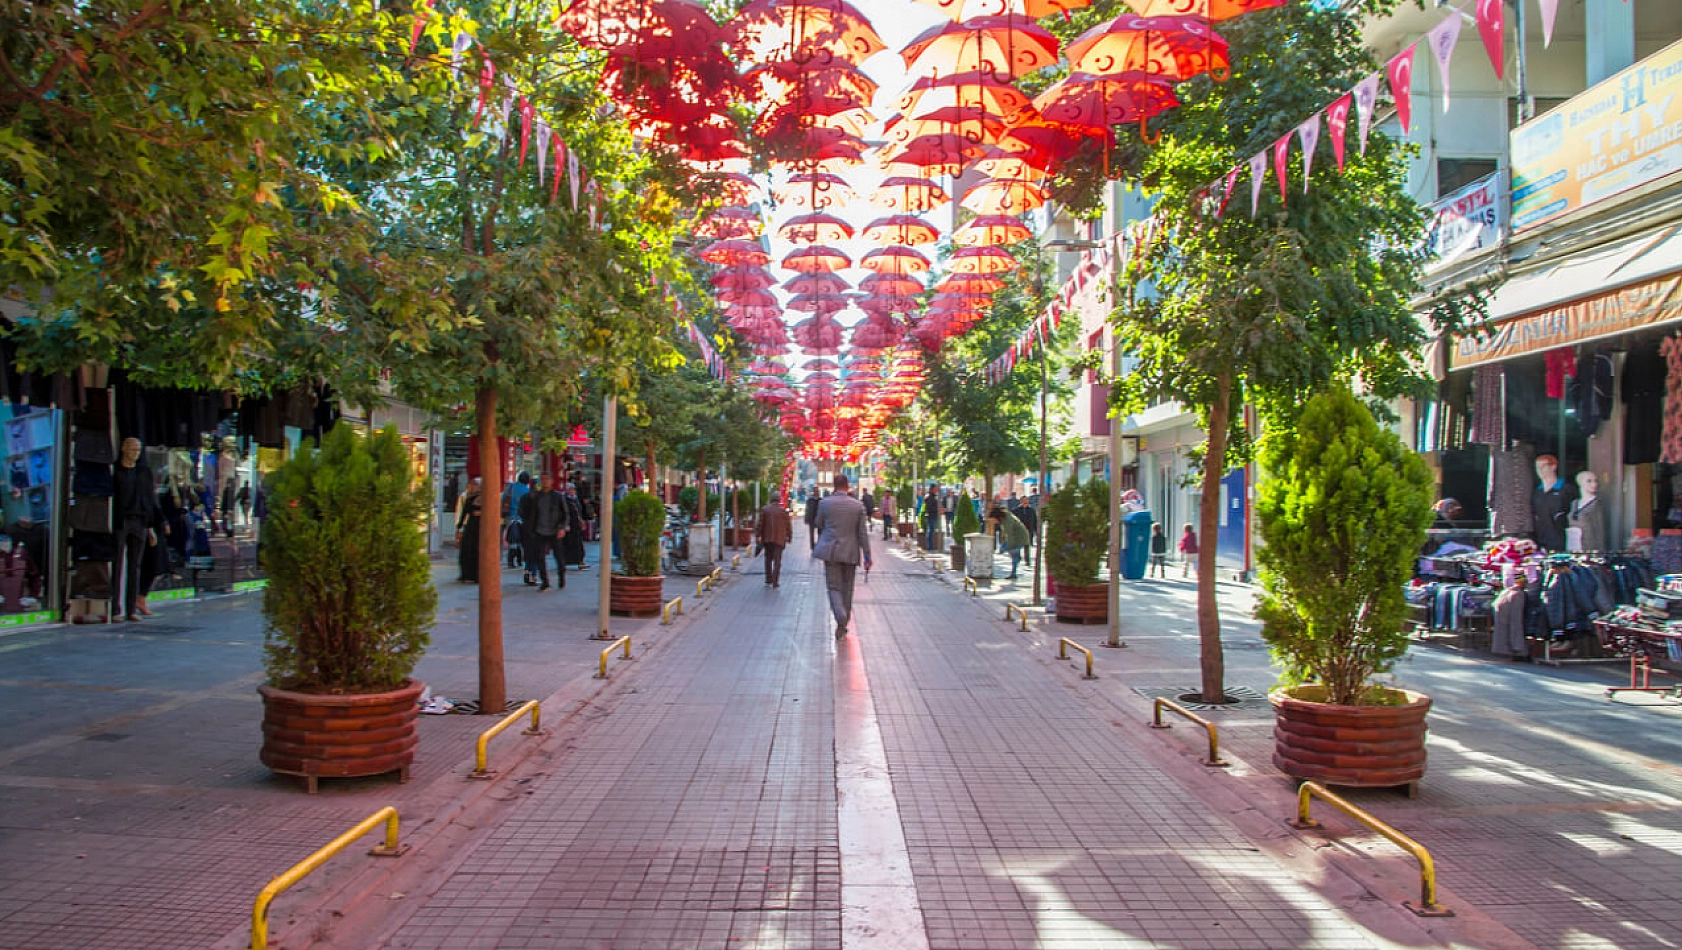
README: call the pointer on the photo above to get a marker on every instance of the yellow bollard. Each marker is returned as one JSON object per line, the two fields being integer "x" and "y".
{"x": 529, "y": 706}
{"x": 1020, "y": 613}
{"x": 701, "y": 587}
{"x": 391, "y": 849}
{"x": 673, "y": 607}
{"x": 1209, "y": 727}
{"x": 621, "y": 642}
{"x": 971, "y": 586}
{"x": 1062, "y": 652}
{"x": 1427, "y": 906}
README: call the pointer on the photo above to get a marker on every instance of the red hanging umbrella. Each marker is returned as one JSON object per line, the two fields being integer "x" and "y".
{"x": 936, "y": 153}
{"x": 820, "y": 303}
{"x": 747, "y": 298}
{"x": 611, "y": 24}
{"x": 1093, "y": 104}
{"x": 963, "y": 94}
{"x": 815, "y": 228}
{"x": 735, "y": 188}
{"x": 735, "y": 312}
{"x": 901, "y": 229}
{"x": 1213, "y": 11}
{"x": 1007, "y": 46}
{"x": 735, "y": 252}
{"x": 742, "y": 278}
{"x": 968, "y": 284}
{"x": 817, "y": 284}
{"x": 978, "y": 128}
{"x": 889, "y": 303}
{"x": 1173, "y": 47}
{"x": 818, "y": 379}
{"x": 1005, "y": 196}
{"x": 820, "y": 366}
{"x": 908, "y": 194}
{"x": 998, "y": 163}
{"x": 814, "y": 190}
{"x": 817, "y": 259}
{"x": 1042, "y": 144}
{"x": 769, "y": 349}
{"x": 991, "y": 230}
{"x": 768, "y": 367}
{"x": 978, "y": 302}
{"x": 711, "y": 142}
{"x": 895, "y": 260}
{"x": 876, "y": 336}
{"x": 892, "y": 284}
{"x": 805, "y": 31}
{"x": 802, "y": 84}
{"x": 970, "y": 9}
{"x": 981, "y": 260}
{"x": 728, "y": 223}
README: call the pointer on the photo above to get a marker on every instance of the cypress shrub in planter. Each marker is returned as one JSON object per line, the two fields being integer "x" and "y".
{"x": 637, "y": 589}
{"x": 964, "y": 524}
{"x": 1077, "y": 526}
{"x": 1342, "y": 513}
{"x": 349, "y": 608}
{"x": 906, "y": 499}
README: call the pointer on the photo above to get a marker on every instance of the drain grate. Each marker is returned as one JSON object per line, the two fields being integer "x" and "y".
{"x": 1247, "y": 698}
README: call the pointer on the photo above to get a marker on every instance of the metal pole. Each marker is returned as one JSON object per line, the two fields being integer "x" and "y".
{"x": 604, "y": 556}
{"x": 1039, "y": 531}
{"x": 1115, "y": 460}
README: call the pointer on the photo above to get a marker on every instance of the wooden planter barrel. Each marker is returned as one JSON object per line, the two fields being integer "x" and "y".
{"x": 636, "y": 596}
{"x": 907, "y": 529}
{"x": 1353, "y": 746}
{"x": 326, "y": 736}
{"x": 958, "y": 555}
{"x": 1083, "y": 603}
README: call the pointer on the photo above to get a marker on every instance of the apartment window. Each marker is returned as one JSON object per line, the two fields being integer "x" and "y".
{"x": 1454, "y": 174}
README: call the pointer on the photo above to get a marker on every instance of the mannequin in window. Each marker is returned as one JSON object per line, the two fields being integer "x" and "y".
{"x": 1550, "y": 505}
{"x": 1587, "y": 531}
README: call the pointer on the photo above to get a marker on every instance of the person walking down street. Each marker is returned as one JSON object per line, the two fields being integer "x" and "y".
{"x": 544, "y": 516}
{"x": 1159, "y": 551}
{"x": 136, "y": 519}
{"x": 775, "y": 529}
{"x": 1188, "y": 551}
{"x": 1012, "y": 536}
{"x": 929, "y": 512}
{"x": 869, "y": 502}
{"x": 573, "y": 543}
{"x": 511, "y": 498}
{"x": 812, "y": 518}
{"x": 467, "y": 531}
{"x": 1031, "y": 520}
{"x": 843, "y": 541}
{"x": 949, "y": 509}
{"x": 890, "y": 508}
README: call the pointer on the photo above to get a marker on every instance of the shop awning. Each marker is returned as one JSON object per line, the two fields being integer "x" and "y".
{"x": 1613, "y": 289}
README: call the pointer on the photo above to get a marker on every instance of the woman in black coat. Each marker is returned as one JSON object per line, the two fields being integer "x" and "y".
{"x": 467, "y": 532}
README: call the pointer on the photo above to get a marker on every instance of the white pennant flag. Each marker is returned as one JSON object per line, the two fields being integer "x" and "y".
{"x": 1366, "y": 97}
{"x": 1258, "y": 172}
{"x": 510, "y": 92}
{"x": 460, "y": 46}
{"x": 543, "y": 133}
{"x": 1309, "y": 134}
{"x": 1550, "y": 9}
{"x": 1442, "y": 38}
{"x": 572, "y": 176}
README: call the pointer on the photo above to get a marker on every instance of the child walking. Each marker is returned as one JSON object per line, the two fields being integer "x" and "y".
{"x": 1188, "y": 551}
{"x": 1159, "y": 551}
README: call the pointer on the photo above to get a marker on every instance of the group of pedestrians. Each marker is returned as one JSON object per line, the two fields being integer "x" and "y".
{"x": 542, "y": 521}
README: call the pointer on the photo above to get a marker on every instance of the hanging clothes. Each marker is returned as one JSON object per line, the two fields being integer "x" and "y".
{"x": 1489, "y": 405}
{"x": 1561, "y": 365}
{"x": 1643, "y": 391}
{"x": 1592, "y": 393}
{"x": 1670, "y": 445}
{"x": 1510, "y": 497}
{"x": 1508, "y": 638}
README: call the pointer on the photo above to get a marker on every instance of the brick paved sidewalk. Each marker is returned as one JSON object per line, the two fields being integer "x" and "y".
{"x": 133, "y": 810}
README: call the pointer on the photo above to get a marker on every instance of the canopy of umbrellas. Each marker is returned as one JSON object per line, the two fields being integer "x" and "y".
{"x": 677, "y": 73}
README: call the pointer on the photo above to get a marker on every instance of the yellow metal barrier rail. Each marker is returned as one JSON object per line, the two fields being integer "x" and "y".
{"x": 391, "y": 849}
{"x": 621, "y": 642}
{"x": 937, "y": 566}
{"x": 529, "y": 706}
{"x": 672, "y": 608}
{"x": 1021, "y": 615}
{"x": 736, "y": 562}
{"x": 1209, "y": 727}
{"x": 717, "y": 576}
{"x": 1427, "y": 906}
{"x": 971, "y": 586}
{"x": 1063, "y": 645}
{"x": 701, "y": 586}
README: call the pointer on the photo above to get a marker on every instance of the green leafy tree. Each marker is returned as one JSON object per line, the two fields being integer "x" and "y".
{"x": 350, "y": 601}
{"x": 1343, "y": 513}
{"x": 1271, "y": 309}
{"x": 639, "y": 518}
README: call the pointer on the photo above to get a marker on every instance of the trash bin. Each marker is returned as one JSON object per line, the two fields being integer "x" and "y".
{"x": 1136, "y": 544}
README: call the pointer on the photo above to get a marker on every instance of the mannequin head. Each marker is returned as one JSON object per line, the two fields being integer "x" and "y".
{"x": 1547, "y": 470}
{"x": 131, "y": 452}
{"x": 1588, "y": 484}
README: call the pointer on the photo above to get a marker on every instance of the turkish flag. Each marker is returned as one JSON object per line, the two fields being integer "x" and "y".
{"x": 1400, "y": 73}
{"x": 1492, "y": 26}
{"x": 1337, "y": 119}
{"x": 1226, "y": 193}
{"x": 1281, "y": 159}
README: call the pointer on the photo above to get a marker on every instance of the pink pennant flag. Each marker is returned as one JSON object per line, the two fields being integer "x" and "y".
{"x": 510, "y": 93}
{"x": 1492, "y": 26}
{"x": 525, "y": 128}
{"x": 543, "y": 134}
{"x": 1366, "y": 100}
{"x": 572, "y": 176}
{"x": 1549, "y": 9}
{"x": 1281, "y": 160}
{"x": 1337, "y": 119}
{"x": 1309, "y": 134}
{"x": 423, "y": 9}
{"x": 1258, "y": 172}
{"x": 462, "y": 42}
{"x": 560, "y": 151}
{"x": 487, "y": 75}
{"x": 1400, "y": 73}
{"x": 1226, "y": 193}
{"x": 1443, "y": 38}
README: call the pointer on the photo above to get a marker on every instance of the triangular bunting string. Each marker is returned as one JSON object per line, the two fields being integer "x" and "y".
{"x": 1400, "y": 74}
{"x": 1337, "y": 119}
{"x": 1309, "y": 134}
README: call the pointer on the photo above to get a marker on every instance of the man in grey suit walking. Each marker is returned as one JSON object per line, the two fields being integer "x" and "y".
{"x": 843, "y": 540}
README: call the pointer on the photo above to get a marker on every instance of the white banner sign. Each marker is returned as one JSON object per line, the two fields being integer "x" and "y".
{"x": 1468, "y": 221}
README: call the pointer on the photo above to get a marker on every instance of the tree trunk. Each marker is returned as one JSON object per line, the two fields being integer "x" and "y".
{"x": 701, "y": 489}
{"x": 735, "y": 519}
{"x": 987, "y": 489}
{"x": 648, "y": 460}
{"x": 1209, "y": 520}
{"x": 493, "y": 685}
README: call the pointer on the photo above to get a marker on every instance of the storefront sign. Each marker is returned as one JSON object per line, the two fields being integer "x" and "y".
{"x": 1618, "y": 311}
{"x": 1620, "y": 134}
{"x": 1465, "y": 222}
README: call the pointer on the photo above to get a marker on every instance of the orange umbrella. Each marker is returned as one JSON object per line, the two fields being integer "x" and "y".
{"x": 735, "y": 252}
{"x": 989, "y": 230}
{"x": 1007, "y": 46}
{"x": 983, "y": 129}
{"x": 805, "y": 31}
{"x": 998, "y": 163}
{"x": 966, "y": 284}
{"x": 891, "y": 285}
{"x": 963, "y": 94}
{"x": 815, "y": 228}
{"x": 1094, "y": 104}
{"x": 901, "y": 229}
{"x": 981, "y": 260}
{"x": 730, "y": 223}
{"x": 814, "y": 190}
{"x": 735, "y": 188}
{"x": 1212, "y": 10}
{"x": 822, "y": 283}
{"x": 970, "y": 9}
{"x": 817, "y": 259}
{"x": 895, "y": 260}
{"x": 1173, "y": 47}
{"x": 1005, "y": 196}
{"x": 938, "y": 151}
{"x": 906, "y": 193}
